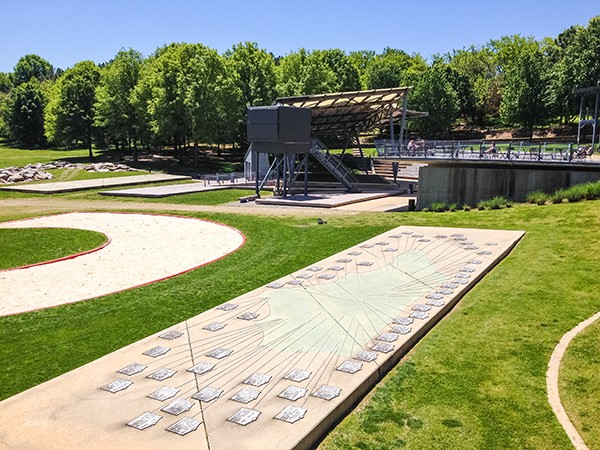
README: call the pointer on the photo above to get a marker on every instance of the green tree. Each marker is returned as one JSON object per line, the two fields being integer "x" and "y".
{"x": 394, "y": 68}
{"x": 434, "y": 93}
{"x": 32, "y": 66}
{"x": 361, "y": 59}
{"x": 70, "y": 111}
{"x": 115, "y": 110}
{"x": 347, "y": 77}
{"x": 6, "y": 82}
{"x": 25, "y": 118}
{"x": 304, "y": 73}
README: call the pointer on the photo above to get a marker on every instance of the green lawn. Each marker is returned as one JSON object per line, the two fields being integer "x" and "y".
{"x": 24, "y": 246}
{"x": 579, "y": 384}
{"x": 17, "y": 157}
{"x": 476, "y": 381}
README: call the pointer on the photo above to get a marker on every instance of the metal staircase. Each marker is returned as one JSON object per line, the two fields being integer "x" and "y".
{"x": 334, "y": 165}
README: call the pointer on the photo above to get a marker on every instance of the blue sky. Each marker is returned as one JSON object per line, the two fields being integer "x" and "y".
{"x": 67, "y": 31}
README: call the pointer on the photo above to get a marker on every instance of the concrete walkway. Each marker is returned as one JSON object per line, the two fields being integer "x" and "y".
{"x": 143, "y": 249}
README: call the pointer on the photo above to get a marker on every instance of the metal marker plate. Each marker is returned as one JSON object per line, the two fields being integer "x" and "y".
{"x": 460, "y": 239}
{"x": 463, "y": 275}
{"x": 354, "y": 253}
{"x": 220, "y": 353}
{"x": 395, "y": 236}
{"x": 474, "y": 261}
{"x": 457, "y": 235}
{"x": 215, "y": 326}
{"x": 401, "y": 329}
{"x": 460, "y": 281}
{"x": 162, "y": 374}
{"x": 484, "y": 252}
{"x": 118, "y": 385}
{"x": 157, "y": 351}
{"x": 420, "y": 315}
{"x": 244, "y": 416}
{"x": 208, "y": 394}
{"x": 467, "y": 269}
{"x": 327, "y": 276}
{"x": 257, "y": 379}
{"x": 295, "y": 282}
{"x": 382, "y": 243}
{"x": 344, "y": 260}
{"x": 417, "y": 235}
{"x": 164, "y": 393}
{"x": 144, "y": 421}
{"x": 178, "y": 406}
{"x": 435, "y": 296}
{"x": 245, "y": 395}
{"x": 248, "y": 316}
{"x": 304, "y": 276}
{"x": 387, "y": 337}
{"x": 275, "y": 285}
{"x": 349, "y": 366}
{"x": 315, "y": 269}
{"x": 403, "y": 321}
{"x": 170, "y": 335}
{"x": 383, "y": 347}
{"x": 336, "y": 268}
{"x": 449, "y": 285}
{"x": 227, "y": 306}
{"x": 390, "y": 250}
{"x": 421, "y": 308}
{"x": 298, "y": 375}
{"x": 367, "y": 246}
{"x": 467, "y": 243}
{"x": 441, "y": 236}
{"x": 471, "y": 247}
{"x": 366, "y": 356}
{"x": 132, "y": 369}
{"x": 445, "y": 291}
{"x": 438, "y": 303}
{"x": 201, "y": 367}
{"x": 424, "y": 240}
{"x": 327, "y": 392}
{"x": 293, "y": 393}
{"x": 491, "y": 243}
{"x": 184, "y": 426}
{"x": 365, "y": 263}
{"x": 291, "y": 414}
{"x": 407, "y": 232}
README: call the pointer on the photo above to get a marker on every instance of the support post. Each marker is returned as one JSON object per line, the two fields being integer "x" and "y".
{"x": 595, "y": 121}
{"x": 403, "y": 121}
{"x": 257, "y": 159}
{"x": 392, "y": 125}
{"x": 306, "y": 174}
{"x": 580, "y": 118}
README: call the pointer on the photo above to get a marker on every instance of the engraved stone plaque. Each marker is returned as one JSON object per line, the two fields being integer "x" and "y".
{"x": 467, "y": 269}
{"x": 291, "y": 414}
{"x": 421, "y": 308}
{"x": 390, "y": 249}
{"x": 344, "y": 260}
{"x": 220, "y": 353}
{"x": 227, "y": 306}
{"x": 474, "y": 261}
{"x": 118, "y": 385}
{"x": 420, "y": 315}
{"x": 449, "y": 285}
{"x": 383, "y": 347}
{"x": 132, "y": 369}
{"x": 349, "y": 366}
{"x": 248, "y": 316}
{"x": 435, "y": 296}
{"x": 315, "y": 269}
{"x": 257, "y": 379}
{"x": 407, "y": 232}
{"x": 336, "y": 268}
{"x": 295, "y": 282}
{"x": 354, "y": 253}
{"x": 366, "y": 356}
{"x": 327, "y": 392}
{"x": 401, "y": 329}
{"x": 208, "y": 394}
{"x": 367, "y": 246}
{"x": 463, "y": 275}
{"x": 245, "y": 395}
{"x": 162, "y": 374}
{"x": 178, "y": 406}
{"x": 382, "y": 243}
{"x": 365, "y": 263}
{"x": 327, "y": 276}
{"x": 170, "y": 335}
{"x": 444, "y": 292}
{"x": 387, "y": 337}
{"x": 144, "y": 421}
{"x": 275, "y": 285}
{"x": 437, "y": 303}
{"x": 184, "y": 426}
{"x": 201, "y": 367}
{"x": 403, "y": 320}
{"x": 244, "y": 416}
{"x": 298, "y": 375}
{"x": 164, "y": 393}
{"x": 460, "y": 281}
{"x": 441, "y": 236}
{"x": 215, "y": 326}
{"x": 304, "y": 276}
{"x": 293, "y": 393}
{"x": 157, "y": 351}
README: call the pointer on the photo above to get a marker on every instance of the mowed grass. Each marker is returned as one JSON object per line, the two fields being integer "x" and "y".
{"x": 17, "y": 157}
{"x": 579, "y": 384}
{"x": 476, "y": 381}
{"x": 25, "y": 246}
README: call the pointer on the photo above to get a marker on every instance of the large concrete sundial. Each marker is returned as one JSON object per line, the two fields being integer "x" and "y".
{"x": 274, "y": 368}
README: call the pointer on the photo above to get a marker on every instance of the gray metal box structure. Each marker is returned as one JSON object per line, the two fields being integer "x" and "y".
{"x": 279, "y": 129}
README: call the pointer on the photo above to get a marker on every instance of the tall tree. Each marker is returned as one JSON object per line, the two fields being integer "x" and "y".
{"x": 32, "y": 66}
{"x": 25, "y": 118}
{"x": 347, "y": 77}
{"x": 115, "y": 111}
{"x": 70, "y": 111}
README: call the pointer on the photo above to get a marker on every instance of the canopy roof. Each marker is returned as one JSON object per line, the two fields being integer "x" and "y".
{"x": 343, "y": 112}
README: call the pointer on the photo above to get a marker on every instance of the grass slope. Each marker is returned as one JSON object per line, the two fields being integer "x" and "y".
{"x": 24, "y": 246}
{"x": 476, "y": 381}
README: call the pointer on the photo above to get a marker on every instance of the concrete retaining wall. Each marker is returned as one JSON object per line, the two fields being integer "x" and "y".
{"x": 471, "y": 182}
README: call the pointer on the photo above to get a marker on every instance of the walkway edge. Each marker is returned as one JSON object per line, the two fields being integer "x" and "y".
{"x": 552, "y": 382}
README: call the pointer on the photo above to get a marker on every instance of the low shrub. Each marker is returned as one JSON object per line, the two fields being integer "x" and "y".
{"x": 438, "y": 207}
{"x": 494, "y": 203}
{"x": 452, "y": 207}
{"x": 538, "y": 197}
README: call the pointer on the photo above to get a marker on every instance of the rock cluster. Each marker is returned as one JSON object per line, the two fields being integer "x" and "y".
{"x": 38, "y": 172}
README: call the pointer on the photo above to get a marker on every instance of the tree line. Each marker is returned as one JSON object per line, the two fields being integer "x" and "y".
{"x": 184, "y": 94}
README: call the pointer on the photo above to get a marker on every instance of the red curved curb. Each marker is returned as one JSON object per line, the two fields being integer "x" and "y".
{"x": 149, "y": 282}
